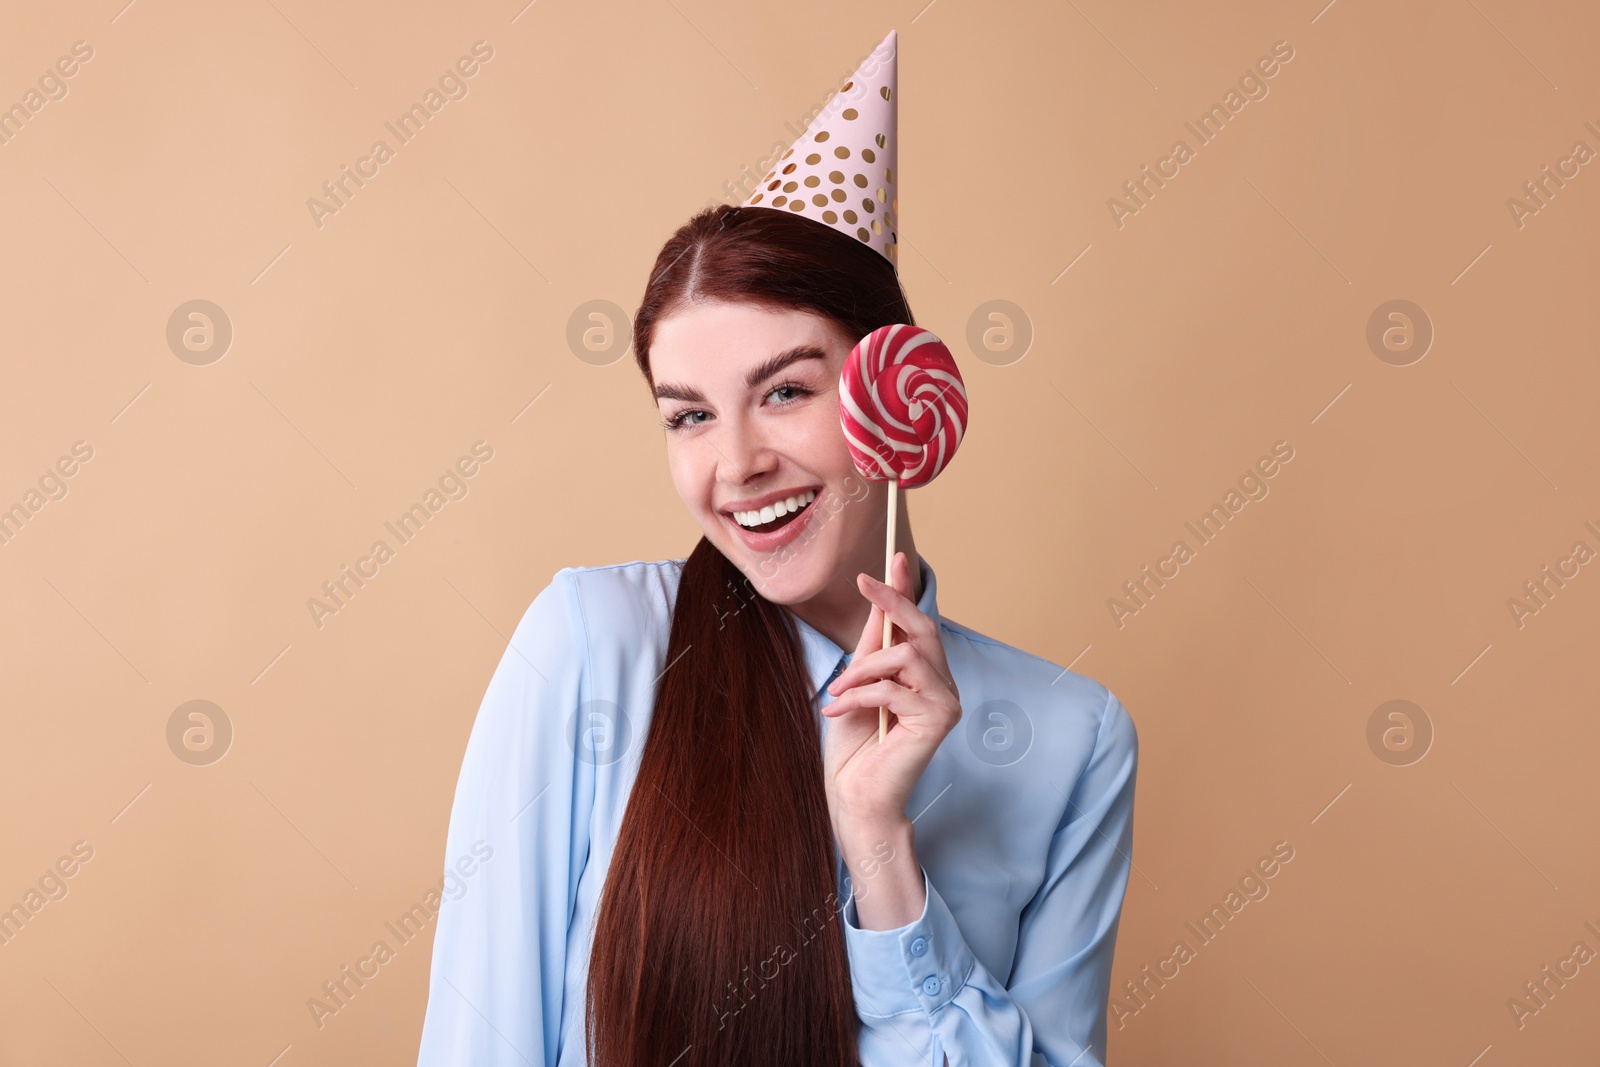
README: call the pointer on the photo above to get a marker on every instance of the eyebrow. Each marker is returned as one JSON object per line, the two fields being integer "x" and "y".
{"x": 758, "y": 374}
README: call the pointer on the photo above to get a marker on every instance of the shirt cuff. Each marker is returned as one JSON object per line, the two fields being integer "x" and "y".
{"x": 919, "y": 967}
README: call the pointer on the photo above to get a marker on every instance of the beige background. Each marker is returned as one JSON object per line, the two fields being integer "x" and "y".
{"x": 430, "y": 311}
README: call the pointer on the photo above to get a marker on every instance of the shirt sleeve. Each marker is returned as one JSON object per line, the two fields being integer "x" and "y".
{"x": 924, "y": 999}
{"x": 521, "y": 816}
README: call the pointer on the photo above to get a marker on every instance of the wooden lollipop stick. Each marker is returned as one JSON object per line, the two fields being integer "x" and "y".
{"x": 888, "y": 578}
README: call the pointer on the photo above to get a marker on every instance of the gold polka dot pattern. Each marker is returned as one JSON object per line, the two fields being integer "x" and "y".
{"x": 859, "y": 123}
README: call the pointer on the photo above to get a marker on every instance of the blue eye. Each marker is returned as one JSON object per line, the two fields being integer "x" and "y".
{"x": 792, "y": 387}
{"x": 676, "y": 421}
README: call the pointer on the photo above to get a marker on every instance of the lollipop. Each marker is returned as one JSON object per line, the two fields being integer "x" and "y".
{"x": 904, "y": 409}
{"x": 902, "y": 404}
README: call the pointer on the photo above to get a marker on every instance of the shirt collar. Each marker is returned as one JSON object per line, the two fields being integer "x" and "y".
{"x": 823, "y": 657}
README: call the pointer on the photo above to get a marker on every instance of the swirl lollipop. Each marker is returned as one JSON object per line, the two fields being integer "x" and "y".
{"x": 904, "y": 410}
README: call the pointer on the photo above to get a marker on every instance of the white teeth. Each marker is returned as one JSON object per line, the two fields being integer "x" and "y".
{"x": 773, "y": 511}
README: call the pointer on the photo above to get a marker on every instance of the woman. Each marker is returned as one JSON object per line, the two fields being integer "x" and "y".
{"x": 701, "y": 852}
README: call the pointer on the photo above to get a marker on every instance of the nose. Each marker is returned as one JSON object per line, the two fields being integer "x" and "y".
{"x": 743, "y": 452}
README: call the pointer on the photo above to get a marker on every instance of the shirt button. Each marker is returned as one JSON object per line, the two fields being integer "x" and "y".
{"x": 919, "y": 946}
{"x": 930, "y": 985}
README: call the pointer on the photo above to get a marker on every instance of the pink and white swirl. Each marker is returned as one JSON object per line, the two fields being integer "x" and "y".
{"x": 902, "y": 404}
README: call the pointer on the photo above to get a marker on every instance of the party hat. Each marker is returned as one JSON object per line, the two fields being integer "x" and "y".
{"x": 841, "y": 172}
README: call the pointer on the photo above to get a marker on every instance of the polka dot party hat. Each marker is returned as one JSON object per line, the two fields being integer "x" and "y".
{"x": 841, "y": 172}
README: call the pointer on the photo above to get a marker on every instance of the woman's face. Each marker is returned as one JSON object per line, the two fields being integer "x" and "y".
{"x": 752, "y": 398}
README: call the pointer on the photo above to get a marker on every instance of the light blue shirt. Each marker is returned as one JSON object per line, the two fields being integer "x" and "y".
{"x": 1023, "y": 827}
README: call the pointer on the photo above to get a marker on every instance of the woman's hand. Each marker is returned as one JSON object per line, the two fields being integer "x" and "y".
{"x": 869, "y": 782}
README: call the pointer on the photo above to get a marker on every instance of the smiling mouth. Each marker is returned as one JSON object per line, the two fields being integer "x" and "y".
{"x": 780, "y": 521}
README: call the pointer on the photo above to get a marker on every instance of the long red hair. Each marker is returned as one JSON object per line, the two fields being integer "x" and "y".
{"x": 717, "y": 940}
